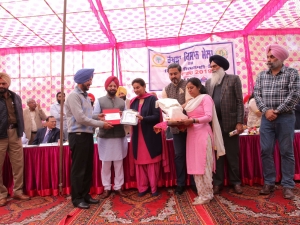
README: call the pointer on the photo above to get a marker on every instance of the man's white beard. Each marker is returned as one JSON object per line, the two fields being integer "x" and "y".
{"x": 216, "y": 77}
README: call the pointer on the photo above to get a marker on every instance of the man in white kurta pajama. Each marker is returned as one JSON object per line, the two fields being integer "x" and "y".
{"x": 112, "y": 144}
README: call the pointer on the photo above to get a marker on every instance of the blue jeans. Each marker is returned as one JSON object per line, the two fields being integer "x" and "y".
{"x": 282, "y": 129}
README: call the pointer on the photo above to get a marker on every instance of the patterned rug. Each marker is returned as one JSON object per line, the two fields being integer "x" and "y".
{"x": 252, "y": 208}
{"x": 167, "y": 208}
{"x": 38, "y": 210}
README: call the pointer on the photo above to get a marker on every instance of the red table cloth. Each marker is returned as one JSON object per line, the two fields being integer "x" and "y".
{"x": 41, "y": 168}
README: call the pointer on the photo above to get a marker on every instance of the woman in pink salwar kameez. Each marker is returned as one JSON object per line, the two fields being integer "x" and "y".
{"x": 146, "y": 144}
{"x": 200, "y": 140}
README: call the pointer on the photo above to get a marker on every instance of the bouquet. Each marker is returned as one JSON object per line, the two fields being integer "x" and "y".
{"x": 253, "y": 130}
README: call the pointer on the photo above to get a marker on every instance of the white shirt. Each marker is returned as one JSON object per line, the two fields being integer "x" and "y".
{"x": 55, "y": 111}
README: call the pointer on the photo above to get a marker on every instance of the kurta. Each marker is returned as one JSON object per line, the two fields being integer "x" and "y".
{"x": 197, "y": 136}
{"x": 110, "y": 149}
{"x": 143, "y": 156}
{"x": 151, "y": 116}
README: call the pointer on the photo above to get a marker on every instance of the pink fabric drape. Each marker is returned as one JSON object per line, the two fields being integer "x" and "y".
{"x": 249, "y": 68}
{"x": 41, "y": 166}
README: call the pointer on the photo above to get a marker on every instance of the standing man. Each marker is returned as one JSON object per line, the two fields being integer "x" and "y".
{"x": 33, "y": 117}
{"x": 177, "y": 90}
{"x": 55, "y": 111}
{"x": 112, "y": 144}
{"x": 48, "y": 134}
{"x": 276, "y": 93}
{"x": 11, "y": 132}
{"x": 121, "y": 93}
{"x": 226, "y": 91}
{"x": 92, "y": 98}
{"x": 79, "y": 112}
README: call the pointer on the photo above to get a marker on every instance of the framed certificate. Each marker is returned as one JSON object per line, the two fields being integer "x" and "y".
{"x": 129, "y": 117}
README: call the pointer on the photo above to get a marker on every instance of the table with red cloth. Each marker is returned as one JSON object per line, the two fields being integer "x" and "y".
{"x": 41, "y": 171}
{"x": 41, "y": 168}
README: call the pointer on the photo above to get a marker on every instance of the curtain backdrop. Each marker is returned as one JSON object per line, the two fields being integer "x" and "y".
{"x": 37, "y": 74}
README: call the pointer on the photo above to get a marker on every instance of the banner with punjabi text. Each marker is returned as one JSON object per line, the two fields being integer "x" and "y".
{"x": 193, "y": 60}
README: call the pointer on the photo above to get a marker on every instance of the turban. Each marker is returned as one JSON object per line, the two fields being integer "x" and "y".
{"x": 111, "y": 79}
{"x": 6, "y": 78}
{"x": 220, "y": 61}
{"x": 91, "y": 96}
{"x": 278, "y": 51}
{"x": 83, "y": 75}
{"x": 121, "y": 89}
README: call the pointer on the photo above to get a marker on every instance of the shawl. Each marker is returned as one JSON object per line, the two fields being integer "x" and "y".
{"x": 217, "y": 134}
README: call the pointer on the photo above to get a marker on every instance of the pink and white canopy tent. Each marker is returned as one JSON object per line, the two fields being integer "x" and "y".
{"x": 112, "y": 36}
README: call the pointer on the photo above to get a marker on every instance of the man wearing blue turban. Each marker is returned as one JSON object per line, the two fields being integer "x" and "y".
{"x": 81, "y": 126}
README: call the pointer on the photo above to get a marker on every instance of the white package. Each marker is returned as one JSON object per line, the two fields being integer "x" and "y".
{"x": 171, "y": 108}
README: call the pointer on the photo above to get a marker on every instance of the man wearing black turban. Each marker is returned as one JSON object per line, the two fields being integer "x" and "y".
{"x": 226, "y": 91}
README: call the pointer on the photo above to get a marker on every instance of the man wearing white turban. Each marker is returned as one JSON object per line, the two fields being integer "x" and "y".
{"x": 276, "y": 93}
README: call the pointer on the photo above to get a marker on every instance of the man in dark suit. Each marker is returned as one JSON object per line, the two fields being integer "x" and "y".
{"x": 48, "y": 134}
{"x": 226, "y": 91}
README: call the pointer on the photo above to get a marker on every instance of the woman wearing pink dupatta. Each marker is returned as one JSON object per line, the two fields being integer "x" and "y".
{"x": 146, "y": 144}
{"x": 200, "y": 139}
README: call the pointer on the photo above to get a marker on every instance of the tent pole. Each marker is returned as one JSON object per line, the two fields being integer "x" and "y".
{"x": 116, "y": 63}
{"x": 62, "y": 102}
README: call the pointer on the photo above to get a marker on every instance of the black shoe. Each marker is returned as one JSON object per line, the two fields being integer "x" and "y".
{"x": 179, "y": 190}
{"x": 90, "y": 200}
{"x": 267, "y": 189}
{"x": 155, "y": 194}
{"x": 141, "y": 194}
{"x": 217, "y": 189}
{"x": 83, "y": 205}
{"x": 288, "y": 193}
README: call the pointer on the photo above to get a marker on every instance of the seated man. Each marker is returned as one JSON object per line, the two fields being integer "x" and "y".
{"x": 48, "y": 134}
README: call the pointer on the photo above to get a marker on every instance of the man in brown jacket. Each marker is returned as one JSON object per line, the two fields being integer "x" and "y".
{"x": 226, "y": 91}
{"x": 33, "y": 117}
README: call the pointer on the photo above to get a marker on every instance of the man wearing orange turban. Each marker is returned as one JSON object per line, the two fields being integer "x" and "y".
{"x": 121, "y": 93}
{"x": 276, "y": 92}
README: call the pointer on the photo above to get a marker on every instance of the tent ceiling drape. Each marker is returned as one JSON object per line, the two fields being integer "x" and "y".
{"x": 95, "y": 25}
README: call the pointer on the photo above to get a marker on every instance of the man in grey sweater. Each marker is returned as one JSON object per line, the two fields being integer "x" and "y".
{"x": 81, "y": 126}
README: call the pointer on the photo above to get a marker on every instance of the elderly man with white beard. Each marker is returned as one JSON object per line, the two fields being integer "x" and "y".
{"x": 226, "y": 91}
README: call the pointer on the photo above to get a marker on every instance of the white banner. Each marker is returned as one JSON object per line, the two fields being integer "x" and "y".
{"x": 193, "y": 60}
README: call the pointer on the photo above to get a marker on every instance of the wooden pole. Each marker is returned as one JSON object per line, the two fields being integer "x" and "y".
{"x": 62, "y": 94}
